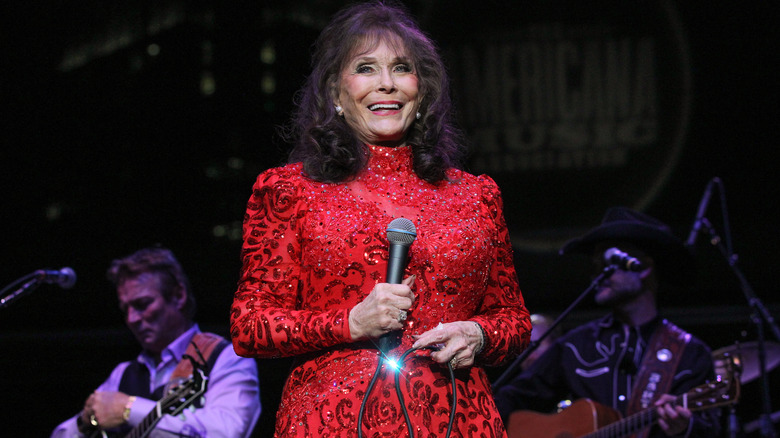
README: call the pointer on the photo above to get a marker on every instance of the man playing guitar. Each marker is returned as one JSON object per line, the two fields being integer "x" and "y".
{"x": 631, "y": 359}
{"x": 158, "y": 306}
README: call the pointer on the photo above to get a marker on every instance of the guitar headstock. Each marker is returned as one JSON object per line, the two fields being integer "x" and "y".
{"x": 184, "y": 394}
{"x": 721, "y": 392}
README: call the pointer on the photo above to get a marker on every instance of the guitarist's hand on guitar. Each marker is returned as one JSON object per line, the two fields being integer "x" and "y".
{"x": 457, "y": 342}
{"x": 673, "y": 419}
{"x": 108, "y": 408}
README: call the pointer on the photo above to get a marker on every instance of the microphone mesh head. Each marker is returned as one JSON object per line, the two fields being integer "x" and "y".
{"x": 69, "y": 279}
{"x": 608, "y": 254}
{"x": 401, "y": 231}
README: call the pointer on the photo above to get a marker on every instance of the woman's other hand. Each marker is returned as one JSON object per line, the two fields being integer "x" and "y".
{"x": 457, "y": 342}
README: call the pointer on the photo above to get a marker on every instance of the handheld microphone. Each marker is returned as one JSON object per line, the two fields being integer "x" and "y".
{"x": 614, "y": 256}
{"x": 400, "y": 234}
{"x": 703, "y": 204}
{"x": 64, "y": 278}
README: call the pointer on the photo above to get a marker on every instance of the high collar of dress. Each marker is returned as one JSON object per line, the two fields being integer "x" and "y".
{"x": 385, "y": 159}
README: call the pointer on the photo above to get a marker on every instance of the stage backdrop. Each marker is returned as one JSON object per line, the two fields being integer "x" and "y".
{"x": 137, "y": 123}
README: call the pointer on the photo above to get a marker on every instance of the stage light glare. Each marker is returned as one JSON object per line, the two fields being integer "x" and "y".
{"x": 393, "y": 364}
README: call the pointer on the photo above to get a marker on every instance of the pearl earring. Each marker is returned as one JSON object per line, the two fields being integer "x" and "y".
{"x": 418, "y": 115}
{"x": 339, "y": 110}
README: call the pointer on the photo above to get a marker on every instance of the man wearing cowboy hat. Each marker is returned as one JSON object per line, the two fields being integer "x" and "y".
{"x": 604, "y": 360}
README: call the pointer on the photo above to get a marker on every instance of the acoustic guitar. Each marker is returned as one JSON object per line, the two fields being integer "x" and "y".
{"x": 587, "y": 419}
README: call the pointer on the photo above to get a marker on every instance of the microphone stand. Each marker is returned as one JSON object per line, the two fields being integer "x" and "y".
{"x": 759, "y": 318}
{"x": 511, "y": 370}
{"x": 31, "y": 282}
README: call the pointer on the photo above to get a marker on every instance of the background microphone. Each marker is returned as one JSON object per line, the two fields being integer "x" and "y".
{"x": 705, "y": 201}
{"x": 400, "y": 234}
{"x": 64, "y": 278}
{"x": 614, "y": 256}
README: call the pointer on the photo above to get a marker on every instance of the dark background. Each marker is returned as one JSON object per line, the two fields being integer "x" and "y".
{"x": 108, "y": 148}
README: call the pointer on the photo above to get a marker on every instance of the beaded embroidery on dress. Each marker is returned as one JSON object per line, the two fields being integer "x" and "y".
{"x": 313, "y": 250}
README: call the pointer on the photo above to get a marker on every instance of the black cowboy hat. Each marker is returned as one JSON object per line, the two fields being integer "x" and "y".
{"x": 674, "y": 261}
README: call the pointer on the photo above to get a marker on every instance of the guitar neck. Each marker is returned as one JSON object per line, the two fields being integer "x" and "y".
{"x": 180, "y": 397}
{"x": 644, "y": 419}
{"x": 146, "y": 425}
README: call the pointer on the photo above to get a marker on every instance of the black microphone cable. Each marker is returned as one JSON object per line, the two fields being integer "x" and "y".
{"x": 400, "y": 363}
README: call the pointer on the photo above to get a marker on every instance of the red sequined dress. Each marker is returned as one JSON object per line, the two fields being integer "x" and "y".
{"x": 314, "y": 250}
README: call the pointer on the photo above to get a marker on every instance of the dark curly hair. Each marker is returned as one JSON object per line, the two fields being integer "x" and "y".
{"x": 328, "y": 148}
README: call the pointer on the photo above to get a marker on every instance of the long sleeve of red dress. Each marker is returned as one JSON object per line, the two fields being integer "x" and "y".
{"x": 314, "y": 250}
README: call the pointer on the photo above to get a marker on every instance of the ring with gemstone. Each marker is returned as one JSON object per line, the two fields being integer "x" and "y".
{"x": 402, "y": 316}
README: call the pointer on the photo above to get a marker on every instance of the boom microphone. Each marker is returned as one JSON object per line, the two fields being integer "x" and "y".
{"x": 400, "y": 234}
{"x": 703, "y": 204}
{"x": 614, "y": 256}
{"x": 64, "y": 278}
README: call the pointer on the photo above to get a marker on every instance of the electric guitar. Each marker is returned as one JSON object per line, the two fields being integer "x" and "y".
{"x": 588, "y": 419}
{"x": 178, "y": 398}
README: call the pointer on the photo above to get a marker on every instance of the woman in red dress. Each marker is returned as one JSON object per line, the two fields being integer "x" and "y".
{"x": 373, "y": 142}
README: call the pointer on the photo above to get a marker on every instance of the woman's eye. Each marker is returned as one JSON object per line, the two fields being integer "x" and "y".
{"x": 364, "y": 69}
{"x": 403, "y": 68}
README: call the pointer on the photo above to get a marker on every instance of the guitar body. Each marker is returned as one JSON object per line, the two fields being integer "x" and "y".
{"x": 582, "y": 417}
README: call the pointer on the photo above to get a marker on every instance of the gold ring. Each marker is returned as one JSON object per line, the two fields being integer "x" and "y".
{"x": 453, "y": 362}
{"x": 93, "y": 420}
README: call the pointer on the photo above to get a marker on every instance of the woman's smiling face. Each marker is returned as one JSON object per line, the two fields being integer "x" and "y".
{"x": 378, "y": 94}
